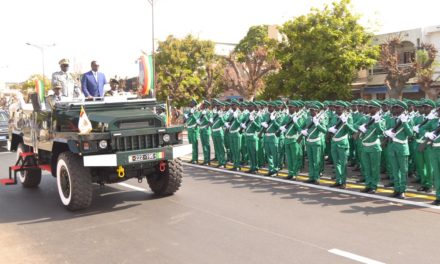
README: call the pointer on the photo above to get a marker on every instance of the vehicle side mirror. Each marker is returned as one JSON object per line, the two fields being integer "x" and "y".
{"x": 35, "y": 102}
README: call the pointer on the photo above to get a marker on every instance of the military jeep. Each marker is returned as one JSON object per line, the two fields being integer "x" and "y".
{"x": 128, "y": 140}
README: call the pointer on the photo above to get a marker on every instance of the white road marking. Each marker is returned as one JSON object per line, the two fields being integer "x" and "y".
{"x": 372, "y": 196}
{"x": 354, "y": 256}
{"x": 3, "y": 153}
{"x": 133, "y": 187}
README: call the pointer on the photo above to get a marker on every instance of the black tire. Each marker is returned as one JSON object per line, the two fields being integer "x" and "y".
{"x": 28, "y": 179}
{"x": 74, "y": 182}
{"x": 167, "y": 182}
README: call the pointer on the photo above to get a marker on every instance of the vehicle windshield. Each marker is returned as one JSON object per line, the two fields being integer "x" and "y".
{"x": 3, "y": 117}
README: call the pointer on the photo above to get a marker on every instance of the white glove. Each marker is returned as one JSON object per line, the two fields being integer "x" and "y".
{"x": 390, "y": 133}
{"x": 295, "y": 119}
{"x": 376, "y": 117}
{"x": 235, "y": 114}
{"x": 332, "y": 130}
{"x": 198, "y": 122}
{"x": 186, "y": 116}
{"x": 432, "y": 115}
{"x": 404, "y": 118}
{"x": 214, "y": 111}
{"x": 430, "y": 135}
{"x": 243, "y": 125}
{"x": 211, "y": 120}
{"x": 264, "y": 124}
{"x": 204, "y": 112}
{"x": 272, "y": 116}
{"x": 192, "y": 110}
{"x": 416, "y": 128}
{"x": 283, "y": 128}
{"x": 227, "y": 125}
{"x": 304, "y": 132}
{"x": 251, "y": 117}
{"x": 344, "y": 118}
{"x": 362, "y": 128}
{"x": 315, "y": 120}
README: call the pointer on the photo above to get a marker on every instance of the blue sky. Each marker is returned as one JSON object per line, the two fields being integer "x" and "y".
{"x": 114, "y": 32}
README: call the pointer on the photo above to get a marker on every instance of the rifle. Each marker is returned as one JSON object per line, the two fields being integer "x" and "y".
{"x": 230, "y": 120}
{"x": 308, "y": 127}
{"x": 358, "y": 134}
{"x": 263, "y": 131}
{"x": 428, "y": 141}
{"x": 289, "y": 123}
{"x": 388, "y": 139}
{"x": 247, "y": 122}
{"x": 329, "y": 135}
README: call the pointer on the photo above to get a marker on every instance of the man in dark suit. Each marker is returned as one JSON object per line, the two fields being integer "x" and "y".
{"x": 93, "y": 82}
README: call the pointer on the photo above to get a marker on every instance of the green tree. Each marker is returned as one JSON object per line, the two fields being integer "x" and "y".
{"x": 321, "y": 53}
{"x": 183, "y": 68}
{"x": 425, "y": 59}
{"x": 252, "y": 59}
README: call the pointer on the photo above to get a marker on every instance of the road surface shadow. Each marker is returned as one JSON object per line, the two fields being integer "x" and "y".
{"x": 42, "y": 204}
{"x": 303, "y": 194}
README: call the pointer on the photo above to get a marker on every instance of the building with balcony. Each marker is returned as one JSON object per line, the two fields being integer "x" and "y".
{"x": 370, "y": 83}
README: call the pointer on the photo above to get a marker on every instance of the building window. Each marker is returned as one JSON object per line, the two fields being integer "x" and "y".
{"x": 408, "y": 57}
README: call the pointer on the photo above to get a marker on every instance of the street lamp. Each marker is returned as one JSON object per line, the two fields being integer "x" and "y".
{"x": 41, "y": 48}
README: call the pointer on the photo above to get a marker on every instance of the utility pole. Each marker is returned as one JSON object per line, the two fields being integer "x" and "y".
{"x": 151, "y": 2}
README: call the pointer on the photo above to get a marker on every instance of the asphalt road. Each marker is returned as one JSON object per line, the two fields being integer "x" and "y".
{"x": 216, "y": 217}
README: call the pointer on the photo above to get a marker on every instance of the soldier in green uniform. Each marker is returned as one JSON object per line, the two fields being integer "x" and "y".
{"x": 372, "y": 131}
{"x": 205, "y": 131}
{"x": 424, "y": 123}
{"x": 270, "y": 127}
{"x": 234, "y": 125}
{"x": 191, "y": 118}
{"x": 227, "y": 116}
{"x": 398, "y": 131}
{"x": 261, "y": 154}
{"x": 244, "y": 108}
{"x": 314, "y": 136}
{"x": 292, "y": 146}
{"x": 434, "y": 137}
{"x": 283, "y": 120}
{"x": 389, "y": 121}
{"x": 340, "y": 128}
{"x": 218, "y": 122}
{"x": 417, "y": 120}
{"x": 250, "y": 133}
{"x": 362, "y": 119}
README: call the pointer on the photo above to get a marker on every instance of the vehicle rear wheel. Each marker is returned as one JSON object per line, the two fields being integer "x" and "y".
{"x": 74, "y": 182}
{"x": 29, "y": 178}
{"x": 169, "y": 181}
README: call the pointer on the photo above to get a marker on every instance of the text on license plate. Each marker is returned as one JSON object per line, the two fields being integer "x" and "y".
{"x": 146, "y": 156}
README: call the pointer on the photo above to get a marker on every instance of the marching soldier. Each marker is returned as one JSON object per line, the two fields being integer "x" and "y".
{"x": 233, "y": 125}
{"x": 245, "y": 115}
{"x": 205, "y": 131}
{"x": 293, "y": 148}
{"x": 283, "y": 118}
{"x": 227, "y": 115}
{"x": 261, "y": 153}
{"x": 372, "y": 131}
{"x": 314, "y": 133}
{"x": 398, "y": 131}
{"x": 251, "y": 129}
{"x": 434, "y": 137}
{"x": 218, "y": 123}
{"x": 340, "y": 128}
{"x": 270, "y": 127}
{"x": 191, "y": 118}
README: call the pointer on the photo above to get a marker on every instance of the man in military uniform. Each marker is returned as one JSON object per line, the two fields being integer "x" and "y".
{"x": 218, "y": 122}
{"x": 398, "y": 131}
{"x": 191, "y": 118}
{"x": 292, "y": 146}
{"x": 340, "y": 128}
{"x": 372, "y": 130}
{"x": 434, "y": 136}
{"x": 234, "y": 125}
{"x": 205, "y": 131}
{"x": 250, "y": 133}
{"x": 56, "y": 96}
{"x": 114, "y": 88}
{"x": 270, "y": 126}
{"x": 70, "y": 85}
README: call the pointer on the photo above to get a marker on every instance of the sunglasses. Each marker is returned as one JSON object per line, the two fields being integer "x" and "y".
{"x": 65, "y": 65}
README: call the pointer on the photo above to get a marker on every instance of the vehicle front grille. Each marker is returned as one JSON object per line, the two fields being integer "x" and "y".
{"x": 135, "y": 142}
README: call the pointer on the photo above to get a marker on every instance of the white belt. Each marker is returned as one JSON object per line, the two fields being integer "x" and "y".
{"x": 311, "y": 140}
{"x": 203, "y": 126}
{"x": 216, "y": 129}
{"x": 234, "y": 131}
{"x": 436, "y": 145}
{"x": 294, "y": 136}
{"x": 400, "y": 141}
{"x": 369, "y": 144}
{"x": 192, "y": 126}
{"x": 270, "y": 134}
{"x": 421, "y": 141}
{"x": 340, "y": 138}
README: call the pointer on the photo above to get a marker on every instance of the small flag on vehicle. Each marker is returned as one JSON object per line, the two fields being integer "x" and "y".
{"x": 146, "y": 74}
{"x": 84, "y": 125}
{"x": 39, "y": 89}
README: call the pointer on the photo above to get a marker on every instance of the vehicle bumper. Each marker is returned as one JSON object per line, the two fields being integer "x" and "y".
{"x": 137, "y": 156}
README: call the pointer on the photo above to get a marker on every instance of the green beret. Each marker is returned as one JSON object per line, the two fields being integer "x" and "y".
{"x": 319, "y": 104}
{"x": 206, "y": 102}
{"x": 437, "y": 103}
{"x": 374, "y": 104}
{"x": 314, "y": 106}
{"x": 428, "y": 102}
{"x": 339, "y": 103}
{"x": 234, "y": 102}
{"x": 400, "y": 104}
{"x": 226, "y": 103}
{"x": 292, "y": 103}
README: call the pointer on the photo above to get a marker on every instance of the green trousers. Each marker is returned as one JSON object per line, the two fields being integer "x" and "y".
{"x": 388, "y": 166}
{"x": 227, "y": 138}
{"x": 293, "y": 152}
{"x": 435, "y": 163}
{"x": 193, "y": 138}
{"x": 351, "y": 151}
{"x": 219, "y": 148}
{"x": 271, "y": 149}
{"x": 235, "y": 140}
{"x": 206, "y": 146}
{"x": 340, "y": 157}
{"x": 423, "y": 167}
{"x": 261, "y": 155}
{"x": 252, "y": 152}
{"x": 412, "y": 157}
{"x": 315, "y": 157}
{"x": 281, "y": 152}
{"x": 372, "y": 168}
{"x": 244, "y": 150}
{"x": 399, "y": 165}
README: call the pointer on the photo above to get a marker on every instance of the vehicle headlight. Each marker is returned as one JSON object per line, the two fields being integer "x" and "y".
{"x": 166, "y": 138}
{"x": 103, "y": 144}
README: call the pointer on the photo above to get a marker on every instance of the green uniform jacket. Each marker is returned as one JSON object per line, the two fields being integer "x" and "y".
{"x": 316, "y": 133}
{"x": 252, "y": 128}
{"x": 235, "y": 126}
{"x": 371, "y": 139}
{"x": 204, "y": 123}
{"x": 294, "y": 129}
{"x": 400, "y": 142}
{"x": 342, "y": 134}
{"x": 191, "y": 122}
{"x": 218, "y": 123}
{"x": 271, "y": 130}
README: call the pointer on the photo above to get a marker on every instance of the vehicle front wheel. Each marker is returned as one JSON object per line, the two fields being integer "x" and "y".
{"x": 28, "y": 178}
{"x": 74, "y": 182}
{"x": 169, "y": 181}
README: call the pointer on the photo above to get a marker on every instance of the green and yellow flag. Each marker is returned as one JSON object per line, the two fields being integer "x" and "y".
{"x": 146, "y": 74}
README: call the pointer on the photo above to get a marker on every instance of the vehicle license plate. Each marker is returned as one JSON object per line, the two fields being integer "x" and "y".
{"x": 146, "y": 156}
